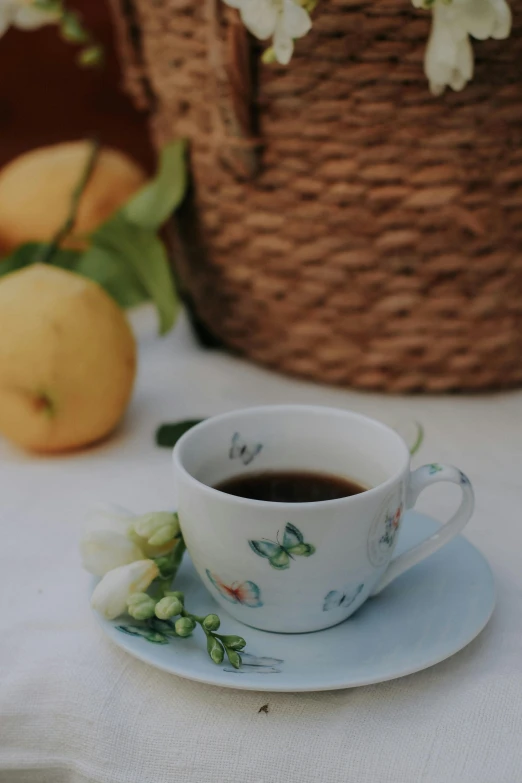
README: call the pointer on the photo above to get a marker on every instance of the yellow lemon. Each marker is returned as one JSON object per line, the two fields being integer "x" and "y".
{"x": 67, "y": 359}
{"x": 36, "y": 189}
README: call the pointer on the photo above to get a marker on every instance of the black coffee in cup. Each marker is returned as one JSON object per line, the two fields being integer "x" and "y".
{"x": 290, "y": 486}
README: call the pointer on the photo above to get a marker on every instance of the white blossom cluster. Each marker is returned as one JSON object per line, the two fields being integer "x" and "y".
{"x": 449, "y": 54}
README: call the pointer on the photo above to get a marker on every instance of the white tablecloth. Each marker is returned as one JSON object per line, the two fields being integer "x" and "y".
{"x": 74, "y": 708}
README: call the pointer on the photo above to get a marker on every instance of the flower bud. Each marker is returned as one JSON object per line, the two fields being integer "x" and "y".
{"x": 215, "y": 649}
{"x": 140, "y": 606}
{"x": 168, "y": 607}
{"x": 157, "y": 528}
{"x": 112, "y": 592}
{"x": 176, "y": 594}
{"x": 184, "y": 626}
{"x": 234, "y": 658}
{"x": 233, "y": 642}
{"x": 211, "y": 622}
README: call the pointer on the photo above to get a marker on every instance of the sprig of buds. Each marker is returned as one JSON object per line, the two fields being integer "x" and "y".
{"x": 138, "y": 558}
{"x": 141, "y": 606}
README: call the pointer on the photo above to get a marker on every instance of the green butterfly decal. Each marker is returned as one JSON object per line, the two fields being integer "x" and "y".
{"x": 279, "y": 555}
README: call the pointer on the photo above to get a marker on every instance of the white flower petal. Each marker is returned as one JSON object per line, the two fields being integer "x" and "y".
{"x": 114, "y": 518}
{"x": 260, "y": 17}
{"x": 296, "y": 20}
{"x": 111, "y": 593}
{"x": 454, "y": 17}
{"x": 448, "y": 61}
{"x": 283, "y": 44}
{"x": 234, "y": 3}
{"x": 502, "y": 26}
{"x": 28, "y": 18}
{"x": 103, "y": 550}
{"x": 463, "y": 69}
{"x": 479, "y": 18}
{"x": 6, "y": 16}
{"x": 109, "y": 517}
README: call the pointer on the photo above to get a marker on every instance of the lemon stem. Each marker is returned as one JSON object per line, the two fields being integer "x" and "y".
{"x": 68, "y": 225}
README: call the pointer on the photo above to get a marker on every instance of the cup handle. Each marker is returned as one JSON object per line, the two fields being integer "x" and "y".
{"x": 420, "y": 479}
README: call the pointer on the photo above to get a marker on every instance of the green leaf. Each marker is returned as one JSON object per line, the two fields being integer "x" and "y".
{"x": 125, "y": 255}
{"x": 111, "y": 271}
{"x": 168, "y": 434}
{"x": 53, "y": 6}
{"x": 268, "y": 57}
{"x": 31, "y": 252}
{"x": 145, "y": 254}
{"x": 71, "y": 28}
{"x": 156, "y": 201}
{"x": 90, "y": 56}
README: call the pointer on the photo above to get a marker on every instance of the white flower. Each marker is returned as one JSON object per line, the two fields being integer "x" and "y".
{"x": 111, "y": 540}
{"x": 449, "y": 55}
{"x": 284, "y": 20}
{"x": 112, "y": 592}
{"x": 23, "y": 14}
{"x": 103, "y": 550}
{"x": 108, "y": 543}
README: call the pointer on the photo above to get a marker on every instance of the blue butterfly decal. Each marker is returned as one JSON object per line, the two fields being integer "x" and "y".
{"x": 335, "y": 598}
{"x": 240, "y": 450}
{"x": 254, "y": 664}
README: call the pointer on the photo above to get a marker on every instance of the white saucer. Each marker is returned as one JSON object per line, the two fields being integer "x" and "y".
{"x": 426, "y": 615}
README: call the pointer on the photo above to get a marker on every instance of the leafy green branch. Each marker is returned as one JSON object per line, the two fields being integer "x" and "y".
{"x": 125, "y": 254}
{"x": 159, "y": 610}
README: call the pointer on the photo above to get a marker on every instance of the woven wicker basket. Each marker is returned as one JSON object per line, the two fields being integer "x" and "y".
{"x": 344, "y": 225}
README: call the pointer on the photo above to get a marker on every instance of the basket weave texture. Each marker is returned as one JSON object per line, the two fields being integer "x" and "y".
{"x": 344, "y": 225}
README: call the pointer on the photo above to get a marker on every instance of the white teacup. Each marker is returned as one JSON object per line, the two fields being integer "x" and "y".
{"x": 296, "y": 567}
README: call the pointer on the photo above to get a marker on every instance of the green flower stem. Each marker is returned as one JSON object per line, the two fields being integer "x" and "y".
{"x": 418, "y": 440}
{"x": 177, "y": 557}
{"x": 217, "y": 642}
{"x": 195, "y": 617}
{"x": 169, "y": 566}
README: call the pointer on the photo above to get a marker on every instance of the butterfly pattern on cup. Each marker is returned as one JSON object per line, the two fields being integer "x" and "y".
{"x": 280, "y": 554}
{"x": 253, "y": 664}
{"x": 243, "y": 593}
{"x": 336, "y": 599}
{"x": 154, "y": 630}
{"x": 464, "y": 480}
{"x": 391, "y": 528}
{"x": 241, "y": 450}
{"x": 434, "y": 468}
{"x": 384, "y": 530}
